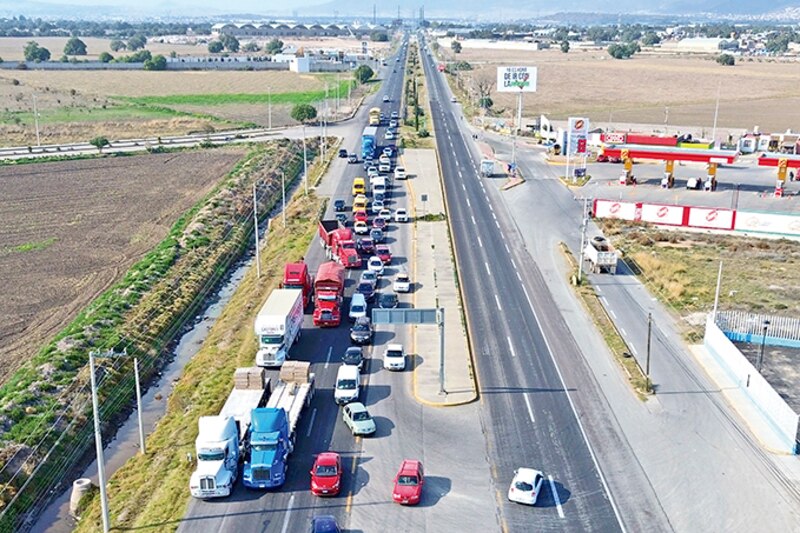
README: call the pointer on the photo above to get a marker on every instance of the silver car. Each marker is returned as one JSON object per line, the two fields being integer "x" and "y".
{"x": 358, "y": 419}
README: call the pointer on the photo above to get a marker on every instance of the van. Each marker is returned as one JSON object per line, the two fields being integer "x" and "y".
{"x": 359, "y": 186}
{"x": 347, "y": 385}
{"x": 358, "y": 306}
{"x": 379, "y": 188}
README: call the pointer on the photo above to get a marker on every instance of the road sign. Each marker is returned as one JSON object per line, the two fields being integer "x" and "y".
{"x": 404, "y": 316}
{"x": 577, "y": 131}
{"x": 516, "y": 79}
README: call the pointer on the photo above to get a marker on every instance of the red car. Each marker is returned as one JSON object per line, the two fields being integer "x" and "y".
{"x": 360, "y": 215}
{"x": 383, "y": 251}
{"x": 326, "y": 474}
{"x": 366, "y": 246}
{"x": 379, "y": 223}
{"x": 408, "y": 483}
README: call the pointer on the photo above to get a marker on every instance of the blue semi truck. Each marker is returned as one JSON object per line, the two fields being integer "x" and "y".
{"x": 369, "y": 142}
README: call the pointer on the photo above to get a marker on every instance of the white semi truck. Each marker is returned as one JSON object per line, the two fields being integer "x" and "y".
{"x": 601, "y": 255}
{"x": 278, "y": 326}
{"x": 222, "y": 439}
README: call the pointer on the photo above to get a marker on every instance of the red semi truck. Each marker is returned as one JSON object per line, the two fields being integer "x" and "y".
{"x": 338, "y": 243}
{"x": 328, "y": 292}
{"x": 296, "y": 276}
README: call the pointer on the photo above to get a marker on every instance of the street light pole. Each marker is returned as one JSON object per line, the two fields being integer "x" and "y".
{"x": 763, "y": 343}
{"x": 305, "y": 161}
{"x": 440, "y": 323}
{"x": 584, "y": 223}
{"x": 283, "y": 196}
{"x": 139, "y": 404}
{"x": 36, "y": 121}
{"x": 647, "y": 363}
{"x": 255, "y": 225}
{"x": 98, "y": 442}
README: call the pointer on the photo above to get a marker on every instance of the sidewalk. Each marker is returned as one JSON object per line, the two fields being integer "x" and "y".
{"x": 434, "y": 273}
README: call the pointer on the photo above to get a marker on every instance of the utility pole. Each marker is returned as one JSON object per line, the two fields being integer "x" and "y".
{"x": 716, "y": 294}
{"x": 283, "y": 196}
{"x": 440, "y": 323}
{"x": 763, "y": 343}
{"x": 36, "y": 121}
{"x": 716, "y": 113}
{"x": 647, "y": 363}
{"x": 255, "y": 225}
{"x": 98, "y": 442}
{"x": 269, "y": 101}
{"x": 139, "y": 404}
{"x": 584, "y": 223}
{"x": 338, "y": 83}
{"x": 305, "y": 161}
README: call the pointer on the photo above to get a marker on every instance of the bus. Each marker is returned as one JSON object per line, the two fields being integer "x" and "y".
{"x": 375, "y": 116}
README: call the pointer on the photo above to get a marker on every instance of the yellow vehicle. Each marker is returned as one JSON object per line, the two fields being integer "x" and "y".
{"x": 360, "y": 204}
{"x": 375, "y": 116}
{"x": 359, "y": 186}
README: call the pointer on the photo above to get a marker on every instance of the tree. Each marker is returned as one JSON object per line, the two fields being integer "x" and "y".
{"x": 456, "y": 46}
{"x": 623, "y": 51}
{"x": 650, "y": 38}
{"x": 485, "y": 102}
{"x": 215, "y": 47}
{"x": 484, "y": 81}
{"x": 251, "y": 47}
{"x": 379, "y": 36}
{"x": 726, "y": 60}
{"x": 100, "y": 143}
{"x": 158, "y": 62}
{"x": 230, "y": 42}
{"x": 363, "y": 73}
{"x": 565, "y": 46}
{"x": 75, "y": 47}
{"x": 116, "y": 45}
{"x": 275, "y": 46}
{"x": 105, "y": 57}
{"x": 137, "y": 42}
{"x": 34, "y": 52}
{"x": 303, "y": 112}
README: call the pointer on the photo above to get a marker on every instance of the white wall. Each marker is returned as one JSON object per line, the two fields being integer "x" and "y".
{"x": 773, "y": 409}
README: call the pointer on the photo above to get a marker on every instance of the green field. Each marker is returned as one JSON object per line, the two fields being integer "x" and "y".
{"x": 117, "y": 113}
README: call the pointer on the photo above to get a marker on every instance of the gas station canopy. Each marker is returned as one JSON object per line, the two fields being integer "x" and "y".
{"x": 670, "y": 153}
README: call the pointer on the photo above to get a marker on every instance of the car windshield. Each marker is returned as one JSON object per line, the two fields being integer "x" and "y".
{"x": 407, "y": 481}
{"x": 360, "y": 327}
{"x": 265, "y": 447}
{"x": 369, "y": 276}
{"x": 394, "y": 353}
{"x": 388, "y": 298}
{"x": 357, "y": 309}
{"x": 346, "y": 384}
{"x": 361, "y": 417}
{"x": 327, "y": 297}
{"x": 325, "y": 471}
{"x": 271, "y": 339}
{"x": 523, "y": 486}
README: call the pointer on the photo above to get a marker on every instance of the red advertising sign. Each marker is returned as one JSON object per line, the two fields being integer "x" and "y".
{"x": 672, "y": 215}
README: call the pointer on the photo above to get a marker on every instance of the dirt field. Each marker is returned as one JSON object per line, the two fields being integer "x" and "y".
{"x": 69, "y": 230}
{"x": 590, "y": 83}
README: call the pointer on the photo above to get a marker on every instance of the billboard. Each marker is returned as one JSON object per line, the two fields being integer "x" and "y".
{"x": 516, "y": 79}
{"x": 663, "y": 214}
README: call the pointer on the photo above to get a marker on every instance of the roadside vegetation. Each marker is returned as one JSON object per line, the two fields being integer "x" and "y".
{"x": 45, "y": 427}
{"x": 150, "y": 492}
{"x": 416, "y": 129}
{"x": 680, "y": 268}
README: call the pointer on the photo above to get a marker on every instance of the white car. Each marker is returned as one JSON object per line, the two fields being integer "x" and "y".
{"x": 526, "y": 486}
{"x": 389, "y": 136}
{"x": 375, "y": 264}
{"x": 394, "y": 358}
{"x": 385, "y": 213}
{"x": 385, "y": 168}
{"x": 385, "y": 97}
{"x": 400, "y": 173}
{"x": 357, "y": 418}
{"x": 401, "y": 215}
{"x": 384, "y": 160}
{"x": 402, "y": 283}
{"x": 377, "y": 205}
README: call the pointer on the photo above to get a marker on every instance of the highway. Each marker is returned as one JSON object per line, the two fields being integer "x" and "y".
{"x": 532, "y": 413}
{"x": 405, "y": 429}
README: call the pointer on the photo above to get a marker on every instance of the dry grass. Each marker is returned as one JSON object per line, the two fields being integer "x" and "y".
{"x": 681, "y": 268}
{"x": 590, "y": 83}
{"x": 144, "y": 83}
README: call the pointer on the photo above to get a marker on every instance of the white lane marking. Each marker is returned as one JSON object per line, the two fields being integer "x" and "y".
{"x": 491, "y": 208}
{"x": 496, "y": 223}
{"x": 514, "y": 264}
{"x": 623, "y": 332}
{"x": 577, "y": 418}
{"x": 311, "y": 424}
{"x": 473, "y": 220}
{"x": 528, "y": 405}
{"x": 460, "y": 175}
{"x": 555, "y": 496}
{"x": 493, "y": 215}
{"x": 527, "y": 297}
{"x": 328, "y": 359}
{"x": 468, "y": 203}
{"x": 613, "y": 315}
{"x": 633, "y": 349}
{"x": 480, "y": 242}
{"x": 496, "y": 299}
{"x": 462, "y": 187}
{"x": 285, "y": 527}
{"x": 487, "y": 267}
{"x": 511, "y": 346}
{"x": 517, "y": 273}
{"x": 507, "y": 248}
{"x": 597, "y": 289}
{"x": 603, "y": 301}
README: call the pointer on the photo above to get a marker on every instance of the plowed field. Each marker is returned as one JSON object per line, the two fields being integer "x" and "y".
{"x": 69, "y": 230}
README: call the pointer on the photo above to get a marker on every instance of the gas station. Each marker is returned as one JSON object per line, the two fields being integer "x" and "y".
{"x": 669, "y": 154}
{"x": 783, "y": 162}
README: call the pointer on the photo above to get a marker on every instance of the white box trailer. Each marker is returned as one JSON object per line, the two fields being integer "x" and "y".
{"x": 278, "y": 326}
{"x": 601, "y": 255}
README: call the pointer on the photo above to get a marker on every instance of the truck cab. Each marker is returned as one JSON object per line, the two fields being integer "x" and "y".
{"x": 296, "y": 276}
{"x": 328, "y": 292}
{"x": 270, "y": 446}
{"x": 217, "y": 449}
